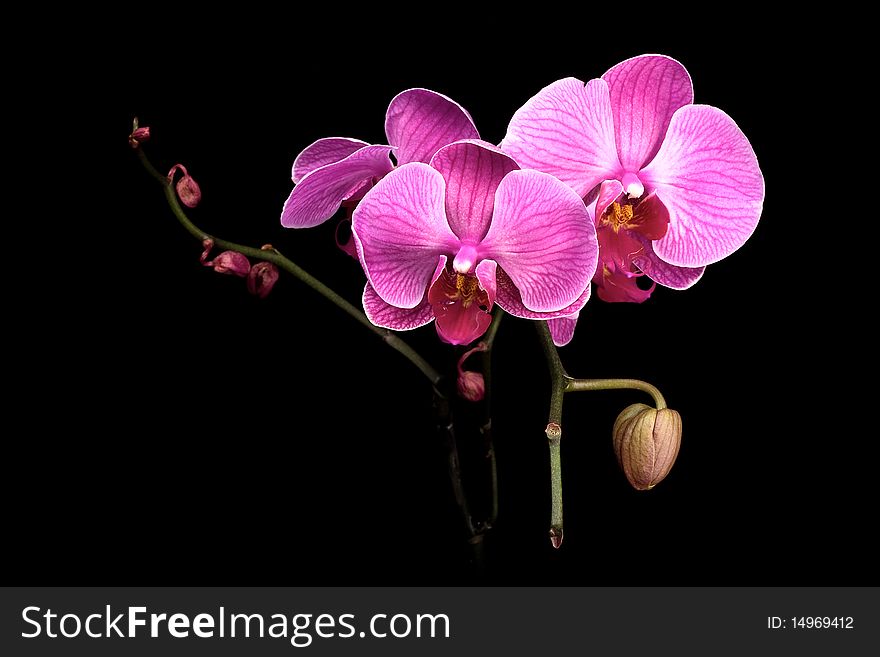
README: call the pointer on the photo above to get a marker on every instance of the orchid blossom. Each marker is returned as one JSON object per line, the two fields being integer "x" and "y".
{"x": 339, "y": 170}
{"x": 448, "y": 240}
{"x": 677, "y": 186}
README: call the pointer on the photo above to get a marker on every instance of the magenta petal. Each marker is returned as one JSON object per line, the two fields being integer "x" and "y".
{"x": 566, "y": 130}
{"x": 486, "y": 273}
{"x": 419, "y": 122}
{"x": 320, "y": 193}
{"x": 544, "y": 239}
{"x": 400, "y": 230}
{"x": 472, "y": 170}
{"x": 645, "y": 92}
{"x": 609, "y": 190}
{"x": 391, "y": 317}
{"x": 348, "y": 246}
{"x": 708, "y": 177}
{"x": 508, "y": 297}
{"x": 324, "y": 152}
{"x": 617, "y": 286}
{"x": 462, "y": 325}
{"x": 562, "y": 329}
{"x": 671, "y": 276}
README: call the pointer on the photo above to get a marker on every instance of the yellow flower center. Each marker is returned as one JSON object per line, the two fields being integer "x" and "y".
{"x": 618, "y": 216}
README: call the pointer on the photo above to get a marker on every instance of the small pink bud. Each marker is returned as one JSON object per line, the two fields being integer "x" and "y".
{"x": 187, "y": 188}
{"x": 138, "y": 137}
{"x": 230, "y": 262}
{"x": 262, "y": 279}
{"x": 646, "y": 443}
{"x": 471, "y": 385}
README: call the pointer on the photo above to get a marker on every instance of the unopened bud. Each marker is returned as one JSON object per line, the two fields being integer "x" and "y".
{"x": 646, "y": 443}
{"x": 230, "y": 262}
{"x": 262, "y": 279}
{"x": 187, "y": 188}
{"x": 138, "y": 136}
{"x": 471, "y": 385}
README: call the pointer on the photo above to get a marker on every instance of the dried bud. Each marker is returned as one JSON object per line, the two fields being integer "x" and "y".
{"x": 646, "y": 442}
{"x": 262, "y": 279}
{"x": 208, "y": 246}
{"x": 230, "y": 262}
{"x": 187, "y": 188}
{"x": 471, "y": 386}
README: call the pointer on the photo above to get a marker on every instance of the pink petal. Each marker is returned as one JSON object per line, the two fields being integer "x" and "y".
{"x": 645, "y": 91}
{"x": 562, "y": 329}
{"x": 566, "y": 130}
{"x": 609, "y": 191}
{"x": 472, "y": 170}
{"x": 651, "y": 218}
{"x": 349, "y": 245}
{"x": 323, "y": 152}
{"x": 400, "y": 230}
{"x": 671, "y": 276}
{"x": 708, "y": 177}
{"x": 615, "y": 285}
{"x": 508, "y": 297}
{"x": 419, "y": 122}
{"x": 320, "y": 193}
{"x": 461, "y": 311}
{"x": 486, "y": 273}
{"x": 618, "y": 248}
{"x": 394, "y": 318}
{"x": 544, "y": 239}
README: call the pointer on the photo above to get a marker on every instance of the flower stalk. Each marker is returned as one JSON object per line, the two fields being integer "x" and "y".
{"x": 561, "y": 383}
{"x": 275, "y": 257}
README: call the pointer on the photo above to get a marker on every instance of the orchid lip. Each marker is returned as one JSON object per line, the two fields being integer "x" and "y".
{"x": 632, "y": 185}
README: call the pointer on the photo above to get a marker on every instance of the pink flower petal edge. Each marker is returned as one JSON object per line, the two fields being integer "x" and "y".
{"x": 566, "y": 130}
{"x": 562, "y": 329}
{"x": 547, "y": 248}
{"x": 323, "y": 152}
{"x": 400, "y": 231}
{"x": 394, "y": 318}
{"x": 707, "y": 176}
{"x": 472, "y": 171}
{"x": 420, "y": 121}
{"x": 320, "y": 193}
{"x": 645, "y": 91}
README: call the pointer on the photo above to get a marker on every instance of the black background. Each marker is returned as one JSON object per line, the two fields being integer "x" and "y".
{"x": 188, "y": 433}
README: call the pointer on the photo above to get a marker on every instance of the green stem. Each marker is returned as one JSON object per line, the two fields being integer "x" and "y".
{"x": 275, "y": 257}
{"x": 558, "y": 382}
{"x": 562, "y": 383}
{"x": 581, "y": 385}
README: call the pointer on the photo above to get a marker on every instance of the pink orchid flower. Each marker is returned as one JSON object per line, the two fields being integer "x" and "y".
{"x": 448, "y": 240}
{"x": 677, "y": 186}
{"x": 339, "y": 170}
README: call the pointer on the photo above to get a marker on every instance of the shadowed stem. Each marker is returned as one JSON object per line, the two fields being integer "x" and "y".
{"x": 486, "y": 428}
{"x": 476, "y": 530}
{"x": 561, "y": 383}
{"x": 442, "y": 406}
{"x": 275, "y": 257}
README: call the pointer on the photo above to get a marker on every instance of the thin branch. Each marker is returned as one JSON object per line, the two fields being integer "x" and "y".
{"x": 275, "y": 257}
